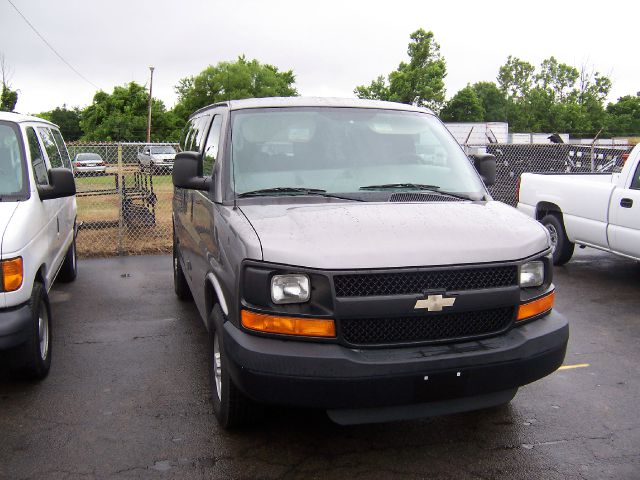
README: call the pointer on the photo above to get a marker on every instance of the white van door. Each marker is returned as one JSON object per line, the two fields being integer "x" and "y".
{"x": 43, "y": 212}
{"x": 55, "y": 206}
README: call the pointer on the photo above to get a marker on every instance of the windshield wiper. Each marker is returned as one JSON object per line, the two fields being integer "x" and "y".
{"x": 294, "y": 191}
{"x": 416, "y": 186}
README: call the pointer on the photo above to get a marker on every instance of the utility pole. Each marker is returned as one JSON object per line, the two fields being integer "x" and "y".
{"x": 150, "y": 98}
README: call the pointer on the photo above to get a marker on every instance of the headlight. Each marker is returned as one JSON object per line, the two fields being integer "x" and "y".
{"x": 290, "y": 289}
{"x": 532, "y": 274}
{"x": 12, "y": 271}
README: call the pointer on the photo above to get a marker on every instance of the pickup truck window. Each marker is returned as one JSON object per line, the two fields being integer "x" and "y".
{"x": 635, "y": 181}
{"x": 12, "y": 173}
{"x": 50, "y": 146}
{"x": 341, "y": 150}
{"x": 211, "y": 146}
{"x": 37, "y": 158}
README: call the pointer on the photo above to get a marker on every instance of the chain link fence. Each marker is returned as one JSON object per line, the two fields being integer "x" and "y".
{"x": 124, "y": 194}
{"x": 512, "y": 160}
{"x": 125, "y": 190}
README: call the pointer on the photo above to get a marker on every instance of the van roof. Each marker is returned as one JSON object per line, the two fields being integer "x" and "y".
{"x": 275, "y": 102}
{"x": 19, "y": 118}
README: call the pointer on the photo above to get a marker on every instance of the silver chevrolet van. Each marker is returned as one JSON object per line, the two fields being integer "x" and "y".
{"x": 346, "y": 255}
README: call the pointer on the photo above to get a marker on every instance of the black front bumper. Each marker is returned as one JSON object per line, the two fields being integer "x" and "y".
{"x": 15, "y": 324}
{"x": 331, "y": 376}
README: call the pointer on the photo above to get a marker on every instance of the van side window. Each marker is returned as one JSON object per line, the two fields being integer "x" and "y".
{"x": 194, "y": 136}
{"x": 37, "y": 158}
{"x": 211, "y": 146}
{"x": 62, "y": 148}
{"x": 50, "y": 146}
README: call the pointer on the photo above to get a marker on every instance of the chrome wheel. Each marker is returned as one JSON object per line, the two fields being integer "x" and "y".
{"x": 43, "y": 331}
{"x": 217, "y": 366}
{"x": 553, "y": 233}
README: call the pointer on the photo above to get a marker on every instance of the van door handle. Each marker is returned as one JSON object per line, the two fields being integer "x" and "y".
{"x": 626, "y": 203}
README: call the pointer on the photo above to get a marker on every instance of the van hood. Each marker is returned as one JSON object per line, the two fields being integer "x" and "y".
{"x": 7, "y": 209}
{"x": 388, "y": 235}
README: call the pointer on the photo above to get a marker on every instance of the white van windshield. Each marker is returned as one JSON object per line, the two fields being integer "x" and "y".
{"x": 12, "y": 173}
{"x": 347, "y": 150}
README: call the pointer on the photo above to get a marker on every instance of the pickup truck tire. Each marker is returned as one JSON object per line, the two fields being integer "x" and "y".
{"x": 34, "y": 356}
{"x": 562, "y": 247}
{"x": 69, "y": 269}
{"x": 180, "y": 285}
{"x": 230, "y": 406}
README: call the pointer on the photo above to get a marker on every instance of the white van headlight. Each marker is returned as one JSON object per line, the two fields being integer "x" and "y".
{"x": 290, "y": 288}
{"x": 532, "y": 274}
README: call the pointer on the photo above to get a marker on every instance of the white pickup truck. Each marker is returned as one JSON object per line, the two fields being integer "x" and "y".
{"x": 595, "y": 210}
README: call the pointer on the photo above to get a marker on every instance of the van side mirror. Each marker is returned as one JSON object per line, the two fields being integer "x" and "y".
{"x": 485, "y": 164}
{"x": 61, "y": 184}
{"x": 187, "y": 172}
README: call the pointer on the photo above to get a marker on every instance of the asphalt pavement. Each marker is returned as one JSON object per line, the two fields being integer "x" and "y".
{"x": 128, "y": 397}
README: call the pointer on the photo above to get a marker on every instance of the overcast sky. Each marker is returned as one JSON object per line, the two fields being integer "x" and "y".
{"x": 331, "y": 46}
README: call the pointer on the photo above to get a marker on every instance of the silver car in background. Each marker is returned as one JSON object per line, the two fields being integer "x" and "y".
{"x": 89, "y": 163}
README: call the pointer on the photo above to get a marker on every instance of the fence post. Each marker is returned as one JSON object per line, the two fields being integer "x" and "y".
{"x": 120, "y": 175}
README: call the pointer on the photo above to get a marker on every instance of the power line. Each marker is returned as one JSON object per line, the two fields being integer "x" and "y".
{"x": 51, "y": 47}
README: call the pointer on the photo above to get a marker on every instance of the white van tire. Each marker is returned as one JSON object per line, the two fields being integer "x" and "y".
{"x": 34, "y": 356}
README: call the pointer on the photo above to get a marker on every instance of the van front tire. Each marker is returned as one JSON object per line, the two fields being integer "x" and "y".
{"x": 34, "y": 356}
{"x": 230, "y": 406}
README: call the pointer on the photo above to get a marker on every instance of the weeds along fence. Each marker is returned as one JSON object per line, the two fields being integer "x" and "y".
{"x": 124, "y": 205}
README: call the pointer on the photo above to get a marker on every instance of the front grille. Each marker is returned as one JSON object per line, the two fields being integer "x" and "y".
{"x": 406, "y": 283}
{"x": 430, "y": 328}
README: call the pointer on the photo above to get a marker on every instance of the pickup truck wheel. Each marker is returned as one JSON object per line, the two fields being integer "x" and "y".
{"x": 180, "y": 285}
{"x": 69, "y": 269}
{"x": 230, "y": 406}
{"x": 562, "y": 247}
{"x": 34, "y": 356}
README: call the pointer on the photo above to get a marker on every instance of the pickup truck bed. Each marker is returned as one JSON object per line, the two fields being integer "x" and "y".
{"x": 597, "y": 210}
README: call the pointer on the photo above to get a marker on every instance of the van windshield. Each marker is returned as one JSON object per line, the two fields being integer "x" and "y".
{"x": 346, "y": 150}
{"x": 13, "y": 180}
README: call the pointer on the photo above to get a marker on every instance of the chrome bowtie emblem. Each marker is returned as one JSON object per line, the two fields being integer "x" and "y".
{"x": 434, "y": 303}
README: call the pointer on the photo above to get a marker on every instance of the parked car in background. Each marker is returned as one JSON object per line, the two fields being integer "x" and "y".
{"x": 594, "y": 210}
{"x": 346, "y": 255}
{"x": 157, "y": 158}
{"x": 37, "y": 231}
{"x": 89, "y": 163}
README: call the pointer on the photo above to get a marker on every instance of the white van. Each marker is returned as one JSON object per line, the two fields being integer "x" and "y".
{"x": 37, "y": 236}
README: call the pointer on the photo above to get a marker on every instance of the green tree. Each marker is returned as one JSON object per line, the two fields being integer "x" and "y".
{"x": 494, "y": 102}
{"x": 624, "y": 116}
{"x": 558, "y": 79}
{"x": 418, "y": 82}
{"x": 231, "y": 81}
{"x": 516, "y": 77}
{"x": 68, "y": 119}
{"x": 122, "y": 116}
{"x": 465, "y": 106}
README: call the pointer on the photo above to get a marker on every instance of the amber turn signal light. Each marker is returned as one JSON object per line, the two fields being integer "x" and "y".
{"x": 536, "y": 307}
{"x": 307, "y": 327}
{"x": 11, "y": 274}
